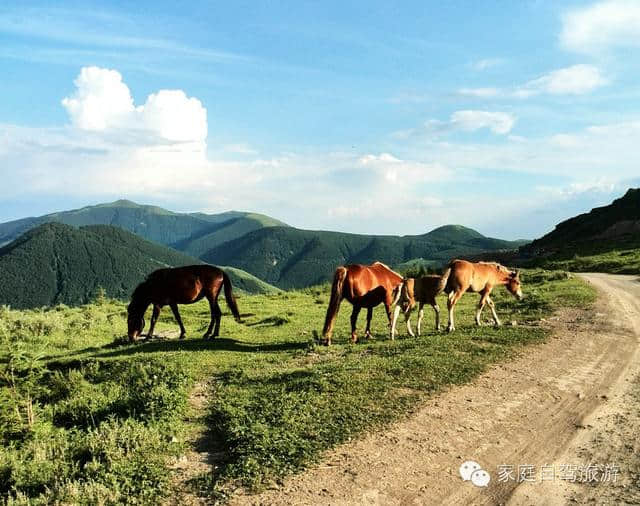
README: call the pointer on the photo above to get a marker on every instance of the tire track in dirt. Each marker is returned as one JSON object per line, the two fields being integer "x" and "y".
{"x": 526, "y": 411}
{"x": 609, "y": 434}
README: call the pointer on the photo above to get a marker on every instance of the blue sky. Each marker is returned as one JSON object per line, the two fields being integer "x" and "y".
{"x": 369, "y": 117}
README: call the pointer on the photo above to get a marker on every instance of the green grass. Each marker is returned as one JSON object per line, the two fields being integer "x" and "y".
{"x": 88, "y": 420}
{"x": 618, "y": 261}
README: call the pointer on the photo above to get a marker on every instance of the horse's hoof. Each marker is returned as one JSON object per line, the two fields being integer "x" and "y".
{"x": 182, "y": 336}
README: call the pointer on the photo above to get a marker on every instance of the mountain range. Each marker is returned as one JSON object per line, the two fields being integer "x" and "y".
{"x": 150, "y": 222}
{"x": 265, "y": 247}
{"x": 56, "y": 263}
{"x": 66, "y": 257}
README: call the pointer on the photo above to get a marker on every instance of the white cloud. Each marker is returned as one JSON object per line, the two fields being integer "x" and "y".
{"x": 395, "y": 170}
{"x": 479, "y": 92}
{"x": 597, "y": 185}
{"x": 174, "y": 116}
{"x": 241, "y": 148}
{"x": 497, "y": 122}
{"x": 487, "y": 63}
{"x": 581, "y": 155}
{"x": 574, "y": 80}
{"x": 601, "y": 26}
{"x": 102, "y": 102}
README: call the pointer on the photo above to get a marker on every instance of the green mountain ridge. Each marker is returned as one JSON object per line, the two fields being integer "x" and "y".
{"x": 267, "y": 248}
{"x": 602, "y": 228}
{"x": 150, "y": 222}
{"x": 292, "y": 258}
{"x": 198, "y": 244}
{"x": 57, "y": 263}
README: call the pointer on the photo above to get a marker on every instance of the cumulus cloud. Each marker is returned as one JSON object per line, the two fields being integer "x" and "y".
{"x": 497, "y": 122}
{"x": 102, "y": 102}
{"x": 602, "y": 25}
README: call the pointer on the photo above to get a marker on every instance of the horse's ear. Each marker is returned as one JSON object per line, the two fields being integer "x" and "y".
{"x": 516, "y": 274}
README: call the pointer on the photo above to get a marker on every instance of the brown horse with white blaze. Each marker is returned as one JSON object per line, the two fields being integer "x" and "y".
{"x": 463, "y": 276}
{"x": 180, "y": 285}
{"x": 363, "y": 286}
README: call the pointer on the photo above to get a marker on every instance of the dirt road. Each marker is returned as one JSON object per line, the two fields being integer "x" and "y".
{"x": 572, "y": 401}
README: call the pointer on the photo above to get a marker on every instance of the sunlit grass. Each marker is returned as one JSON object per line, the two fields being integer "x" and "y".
{"x": 87, "y": 419}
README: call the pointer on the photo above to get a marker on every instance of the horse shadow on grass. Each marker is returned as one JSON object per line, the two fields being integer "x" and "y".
{"x": 154, "y": 345}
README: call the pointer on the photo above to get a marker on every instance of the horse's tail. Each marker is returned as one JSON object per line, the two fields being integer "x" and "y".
{"x": 443, "y": 285}
{"x": 228, "y": 295}
{"x": 334, "y": 301}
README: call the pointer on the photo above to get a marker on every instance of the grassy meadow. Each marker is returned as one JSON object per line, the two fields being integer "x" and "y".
{"x": 87, "y": 418}
{"x": 619, "y": 261}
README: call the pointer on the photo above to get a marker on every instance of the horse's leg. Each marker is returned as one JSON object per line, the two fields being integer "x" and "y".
{"x": 176, "y": 315}
{"x": 216, "y": 330}
{"x": 154, "y": 318}
{"x": 212, "y": 313}
{"x": 483, "y": 300}
{"x": 354, "y": 322}
{"x": 436, "y": 309}
{"x": 454, "y": 297}
{"x": 407, "y": 317}
{"x": 392, "y": 317}
{"x": 420, "y": 316}
{"x": 394, "y": 320}
{"x": 367, "y": 332}
{"x": 493, "y": 311}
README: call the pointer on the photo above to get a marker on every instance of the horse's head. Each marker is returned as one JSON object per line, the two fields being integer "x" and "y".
{"x": 135, "y": 322}
{"x": 514, "y": 285}
{"x": 407, "y": 298}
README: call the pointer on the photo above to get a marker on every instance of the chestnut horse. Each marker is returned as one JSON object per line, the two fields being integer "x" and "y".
{"x": 363, "y": 286}
{"x": 423, "y": 290}
{"x": 180, "y": 285}
{"x": 462, "y": 276}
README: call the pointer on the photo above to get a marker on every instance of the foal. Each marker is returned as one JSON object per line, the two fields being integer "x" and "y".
{"x": 462, "y": 276}
{"x": 423, "y": 290}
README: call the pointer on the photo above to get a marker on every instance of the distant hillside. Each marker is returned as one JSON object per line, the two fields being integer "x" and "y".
{"x": 601, "y": 229}
{"x": 265, "y": 247}
{"x": 150, "y": 222}
{"x": 291, "y": 258}
{"x": 246, "y": 282}
{"x": 199, "y": 243}
{"x": 56, "y": 263}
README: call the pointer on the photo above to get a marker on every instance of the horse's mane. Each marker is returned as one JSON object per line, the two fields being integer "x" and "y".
{"x": 138, "y": 297}
{"x": 386, "y": 267}
{"x": 498, "y": 266}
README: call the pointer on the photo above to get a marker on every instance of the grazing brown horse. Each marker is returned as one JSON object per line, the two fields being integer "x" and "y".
{"x": 423, "y": 290}
{"x": 363, "y": 286}
{"x": 462, "y": 276}
{"x": 180, "y": 285}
